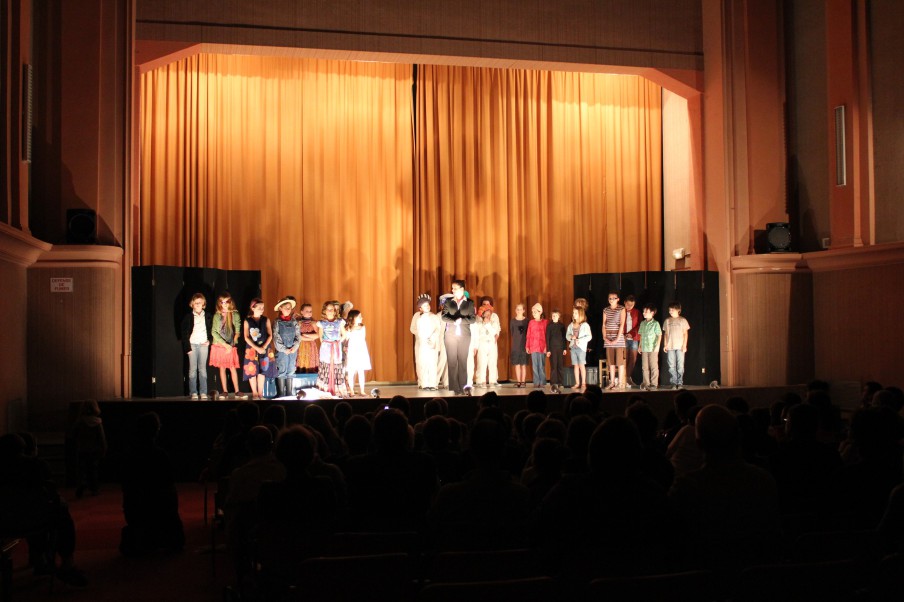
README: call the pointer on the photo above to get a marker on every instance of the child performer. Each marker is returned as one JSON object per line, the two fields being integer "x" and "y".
{"x": 650, "y": 335}
{"x": 286, "y": 339}
{"x": 357, "y": 360}
{"x": 674, "y": 343}
{"x": 308, "y": 353}
{"x": 330, "y": 378}
{"x": 258, "y": 335}
{"x": 632, "y": 323}
{"x": 197, "y": 332}
{"x": 419, "y": 304}
{"x": 614, "y": 341}
{"x": 226, "y": 326}
{"x": 442, "y": 363}
{"x": 487, "y": 345}
{"x": 579, "y": 335}
{"x": 536, "y": 345}
{"x": 556, "y": 348}
{"x": 428, "y": 330}
{"x": 518, "y": 338}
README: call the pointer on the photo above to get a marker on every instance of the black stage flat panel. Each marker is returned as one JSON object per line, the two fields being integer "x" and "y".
{"x": 160, "y": 298}
{"x": 698, "y": 293}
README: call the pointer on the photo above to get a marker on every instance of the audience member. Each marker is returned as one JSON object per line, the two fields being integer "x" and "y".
{"x": 488, "y": 509}
{"x": 150, "y": 502}
{"x": 729, "y": 508}
{"x": 31, "y": 507}
{"x": 90, "y": 446}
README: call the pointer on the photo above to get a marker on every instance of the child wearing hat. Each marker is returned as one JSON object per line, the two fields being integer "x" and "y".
{"x": 287, "y": 338}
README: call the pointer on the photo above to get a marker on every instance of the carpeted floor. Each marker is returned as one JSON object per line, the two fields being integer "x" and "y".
{"x": 189, "y": 575}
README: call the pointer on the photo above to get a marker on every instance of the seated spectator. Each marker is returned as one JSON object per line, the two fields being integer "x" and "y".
{"x": 150, "y": 502}
{"x": 683, "y": 451}
{"x": 803, "y": 467}
{"x": 729, "y": 507}
{"x": 244, "y": 486}
{"x": 547, "y": 458}
{"x": 297, "y": 515}
{"x": 274, "y": 415}
{"x": 537, "y": 402}
{"x": 866, "y": 393}
{"x": 861, "y": 488}
{"x": 577, "y": 441}
{"x": 391, "y": 488}
{"x": 342, "y": 411}
{"x": 611, "y": 521}
{"x": 488, "y": 509}
{"x": 321, "y": 468}
{"x": 316, "y": 419}
{"x": 31, "y": 507}
{"x": 436, "y": 436}
{"x": 654, "y": 464}
{"x": 401, "y": 403}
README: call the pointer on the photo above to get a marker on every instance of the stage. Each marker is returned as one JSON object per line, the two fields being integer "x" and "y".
{"x": 191, "y": 427}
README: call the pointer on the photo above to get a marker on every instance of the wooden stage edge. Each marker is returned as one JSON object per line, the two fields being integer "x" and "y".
{"x": 189, "y": 428}
{"x": 464, "y": 407}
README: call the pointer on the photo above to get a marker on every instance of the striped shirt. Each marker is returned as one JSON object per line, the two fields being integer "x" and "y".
{"x": 611, "y": 322}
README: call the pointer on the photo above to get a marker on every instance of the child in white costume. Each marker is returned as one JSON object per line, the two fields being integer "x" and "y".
{"x": 488, "y": 329}
{"x": 428, "y": 331}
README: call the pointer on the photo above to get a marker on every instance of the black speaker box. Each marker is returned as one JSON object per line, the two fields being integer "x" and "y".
{"x": 81, "y": 227}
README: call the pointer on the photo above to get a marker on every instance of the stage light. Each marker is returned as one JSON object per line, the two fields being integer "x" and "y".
{"x": 300, "y": 394}
{"x": 555, "y": 390}
{"x": 375, "y": 393}
{"x": 714, "y": 384}
{"x": 680, "y": 255}
{"x": 467, "y": 390}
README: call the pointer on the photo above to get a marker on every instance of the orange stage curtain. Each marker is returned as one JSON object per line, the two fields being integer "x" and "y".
{"x": 300, "y": 168}
{"x": 525, "y": 178}
{"x": 312, "y": 172}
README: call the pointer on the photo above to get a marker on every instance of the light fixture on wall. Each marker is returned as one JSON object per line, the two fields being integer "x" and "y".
{"x": 680, "y": 256}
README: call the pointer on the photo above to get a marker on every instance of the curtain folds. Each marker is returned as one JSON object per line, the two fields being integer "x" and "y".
{"x": 312, "y": 172}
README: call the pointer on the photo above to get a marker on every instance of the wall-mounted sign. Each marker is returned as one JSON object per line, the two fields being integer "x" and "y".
{"x": 61, "y": 285}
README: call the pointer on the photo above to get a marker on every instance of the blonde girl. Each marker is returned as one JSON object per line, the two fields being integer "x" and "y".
{"x": 578, "y": 336}
{"x": 357, "y": 359}
{"x": 226, "y": 327}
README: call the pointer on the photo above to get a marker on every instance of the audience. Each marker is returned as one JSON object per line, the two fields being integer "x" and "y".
{"x": 592, "y": 497}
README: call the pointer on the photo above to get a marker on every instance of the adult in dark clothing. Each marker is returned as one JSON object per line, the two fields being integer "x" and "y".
{"x": 448, "y": 463}
{"x": 611, "y": 521}
{"x": 730, "y": 507}
{"x": 862, "y": 488}
{"x": 804, "y": 467}
{"x": 488, "y": 509}
{"x": 391, "y": 488}
{"x": 297, "y": 515}
{"x": 458, "y": 314}
{"x": 150, "y": 502}
{"x": 654, "y": 463}
{"x": 30, "y": 505}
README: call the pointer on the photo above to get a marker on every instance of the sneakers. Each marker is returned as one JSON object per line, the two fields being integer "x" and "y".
{"x": 203, "y": 395}
{"x": 193, "y": 397}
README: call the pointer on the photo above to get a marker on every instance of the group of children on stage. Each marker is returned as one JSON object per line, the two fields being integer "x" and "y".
{"x": 335, "y": 346}
{"x": 536, "y": 340}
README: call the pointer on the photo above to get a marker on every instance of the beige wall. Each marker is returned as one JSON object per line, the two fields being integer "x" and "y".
{"x": 75, "y": 335}
{"x": 887, "y": 24}
{"x": 602, "y": 32}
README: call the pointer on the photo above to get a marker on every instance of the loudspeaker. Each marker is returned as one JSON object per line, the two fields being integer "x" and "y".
{"x": 778, "y": 235}
{"x": 81, "y": 227}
